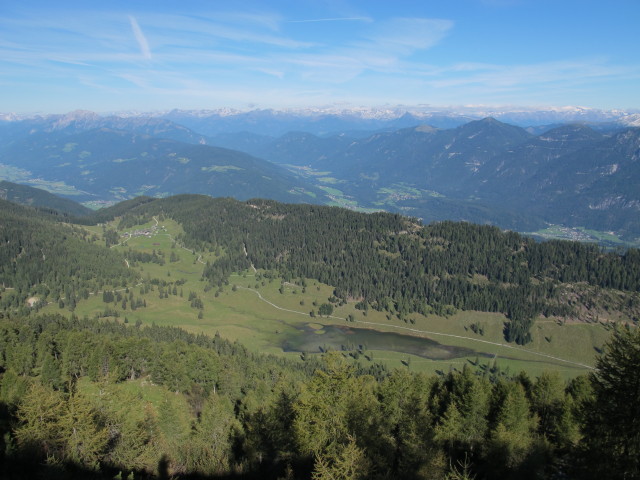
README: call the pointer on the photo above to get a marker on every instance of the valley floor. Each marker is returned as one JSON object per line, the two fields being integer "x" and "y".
{"x": 267, "y": 314}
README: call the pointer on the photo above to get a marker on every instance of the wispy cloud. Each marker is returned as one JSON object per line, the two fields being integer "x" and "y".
{"x": 237, "y": 43}
{"x": 341, "y": 19}
{"x": 382, "y": 47}
{"x": 140, "y": 38}
{"x": 265, "y": 54}
{"x": 405, "y": 35}
{"x": 513, "y": 76}
{"x": 209, "y": 30}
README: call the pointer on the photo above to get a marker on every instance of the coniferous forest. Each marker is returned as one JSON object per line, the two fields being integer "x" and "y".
{"x": 67, "y": 412}
{"x": 84, "y": 398}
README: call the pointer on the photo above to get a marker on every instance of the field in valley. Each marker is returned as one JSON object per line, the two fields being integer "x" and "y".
{"x": 272, "y": 316}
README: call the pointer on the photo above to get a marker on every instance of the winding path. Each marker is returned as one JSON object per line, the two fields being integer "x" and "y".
{"x": 424, "y": 332}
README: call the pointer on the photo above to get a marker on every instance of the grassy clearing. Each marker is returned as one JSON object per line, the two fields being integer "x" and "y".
{"x": 14, "y": 174}
{"x": 330, "y": 180}
{"x": 306, "y": 171}
{"x": 574, "y": 342}
{"x": 264, "y": 314}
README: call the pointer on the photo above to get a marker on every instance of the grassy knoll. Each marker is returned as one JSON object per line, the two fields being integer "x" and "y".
{"x": 268, "y": 314}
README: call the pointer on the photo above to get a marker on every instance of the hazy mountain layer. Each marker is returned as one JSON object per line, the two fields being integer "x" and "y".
{"x": 570, "y": 175}
{"x": 107, "y": 164}
{"x": 482, "y": 171}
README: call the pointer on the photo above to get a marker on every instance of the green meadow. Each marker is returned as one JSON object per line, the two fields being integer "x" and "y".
{"x": 272, "y": 316}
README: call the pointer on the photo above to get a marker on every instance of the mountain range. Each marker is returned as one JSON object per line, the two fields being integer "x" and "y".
{"x": 339, "y": 118}
{"x": 571, "y": 175}
{"x": 484, "y": 171}
{"x": 110, "y": 164}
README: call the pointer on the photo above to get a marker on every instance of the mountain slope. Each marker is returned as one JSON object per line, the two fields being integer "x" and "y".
{"x": 515, "y": 167}
{"x": 422, "y": 153}
{"x": 381, "y": 261}
{"x": 597, "y": 185}
{"x": 484, "y": 171}
{"x": 36, "y": 197}
{"x": 42, "y": 257}
{"x": 390, "y": 262}
{"x": 112, "y": 164}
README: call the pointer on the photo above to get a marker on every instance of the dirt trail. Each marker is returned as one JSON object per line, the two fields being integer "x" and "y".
{"x": 426, "y": 332}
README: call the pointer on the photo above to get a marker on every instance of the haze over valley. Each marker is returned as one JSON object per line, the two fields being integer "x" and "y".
{"x": 573, "y": 175}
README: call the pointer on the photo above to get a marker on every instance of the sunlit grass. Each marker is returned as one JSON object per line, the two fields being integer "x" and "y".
{"x": 263, "y": 313}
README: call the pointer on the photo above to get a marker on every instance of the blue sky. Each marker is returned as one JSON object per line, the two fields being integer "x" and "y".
{"x": 158, "y": 55}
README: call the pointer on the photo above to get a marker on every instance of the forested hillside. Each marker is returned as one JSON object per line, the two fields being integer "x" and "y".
{"x": 36, "y": 197}
{"x": 392, "y": 263}
{"x": 47, "y": 260}
{"x": 381, "y": 261}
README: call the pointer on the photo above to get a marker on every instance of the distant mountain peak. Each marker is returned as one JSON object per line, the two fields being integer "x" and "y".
{"x": 630, "y": 137}
{"x": 485, "y": 122}
{"x": 76, "y": 116}
{"x": 489, "y": 126}
{"x": 81, "y": 114}
{"x": 632, "y": 120}
{"x": 572, "y": 132}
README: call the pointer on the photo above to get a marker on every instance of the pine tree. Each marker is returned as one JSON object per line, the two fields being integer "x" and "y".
{"x": 39, "y": 414}
{"x": 321, "y": 409}
{"x": 85, "y": 432}
{"x": 612, "y": 417}
{"x": 513, "y": 436}
{"x": 50, "y": 374}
